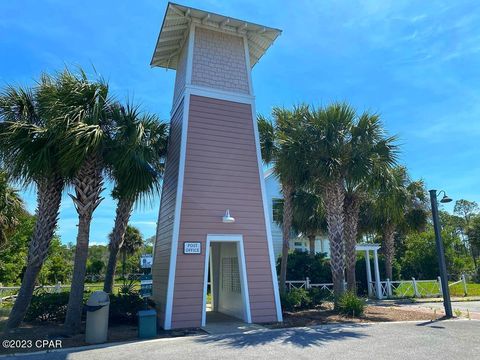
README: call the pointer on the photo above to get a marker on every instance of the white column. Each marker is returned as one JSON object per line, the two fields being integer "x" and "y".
{"x": 369, "y": 273}
{"x": 378, "y": 286}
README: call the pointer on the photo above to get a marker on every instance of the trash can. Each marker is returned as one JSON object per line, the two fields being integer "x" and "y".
{"x": 147, "y": 324}
{"x": 98, "y": 306}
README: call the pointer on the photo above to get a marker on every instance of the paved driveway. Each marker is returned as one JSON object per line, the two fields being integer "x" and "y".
{"x": 472, "y": 306}
{"x": 466, "y": 307}
{"x": 457, "y": 339}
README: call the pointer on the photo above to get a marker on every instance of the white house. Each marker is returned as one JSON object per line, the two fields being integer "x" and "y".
{"x": 274, "y": 195}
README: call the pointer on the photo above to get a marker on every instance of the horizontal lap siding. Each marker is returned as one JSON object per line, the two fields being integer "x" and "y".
{"x": 221, "y": 172}
{"x": 163, "y": 243}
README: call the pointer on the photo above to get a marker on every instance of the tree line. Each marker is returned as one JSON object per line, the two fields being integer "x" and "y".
{"x": 68, "y": 133}
{"x": 340, "y": 175}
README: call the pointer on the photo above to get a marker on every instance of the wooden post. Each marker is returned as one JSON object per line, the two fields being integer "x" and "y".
{"x": 415, "y": 288}
{"x": 439, "y": 280}
{"x": 389, "y": 288}
{"x": 369, "y": 273}
{"x": 378, "y": 285}
{"x": 464, "y": 282}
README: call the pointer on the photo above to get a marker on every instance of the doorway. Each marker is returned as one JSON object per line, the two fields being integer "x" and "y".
{"x": 225, "y": 285}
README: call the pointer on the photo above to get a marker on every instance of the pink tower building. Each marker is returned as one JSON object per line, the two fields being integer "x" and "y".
{"x": 213, "y": 231}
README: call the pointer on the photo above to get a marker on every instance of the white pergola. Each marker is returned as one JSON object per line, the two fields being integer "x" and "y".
{"x": 378, "y": 285}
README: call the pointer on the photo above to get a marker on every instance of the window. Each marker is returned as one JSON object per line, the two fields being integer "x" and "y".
{"x": 277, "y": 210}
{"x": 300, "y": 245}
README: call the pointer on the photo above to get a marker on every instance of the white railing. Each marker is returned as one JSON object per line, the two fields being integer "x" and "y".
{"x": 413, "y": 288}
{"x": 307, "y": 285}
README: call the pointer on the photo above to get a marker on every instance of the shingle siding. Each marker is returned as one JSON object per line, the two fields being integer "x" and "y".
{"x": 219, "y": 61}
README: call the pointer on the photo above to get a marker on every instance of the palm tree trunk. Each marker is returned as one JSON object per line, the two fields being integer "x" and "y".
{"x": 287, "y": 190}
{"x": 88, "y": 186}
{"x": 389, "y": 249}
{"x": 124, "y": 262}
{"x": 49, "y": 194}
{"x": 334, "y": 194}
{"x": 311, "y": 244}
{"x": 352, "y": 209}
{"x": 124, "y": 210}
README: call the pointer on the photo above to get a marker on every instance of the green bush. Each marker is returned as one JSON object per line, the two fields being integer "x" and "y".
{"x": 295, "y": 299}
{"x": 317, "y": 296}
{"x": 53, "y": 307}
{"x": 48, "y": 307}
{"x": 124, "y": 307}
{"x": 350, "y": 304}
{"x": 301, "y": 265}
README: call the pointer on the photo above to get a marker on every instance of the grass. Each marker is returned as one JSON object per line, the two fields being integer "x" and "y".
{"x": 472, "y": 290}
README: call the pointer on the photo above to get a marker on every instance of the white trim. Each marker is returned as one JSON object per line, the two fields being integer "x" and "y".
{"x": 178, "y": 204}
{"x": 364, "y": 246}
{"x": 243, "y": 273}
{"x": 220, "y": 94}
{"x": 213, "y": 93}
{"x": 247, "y": 65}
{"x": 266, "y": 215}
{"x": 191, "y": 41}
{"x": 224, "y": 237}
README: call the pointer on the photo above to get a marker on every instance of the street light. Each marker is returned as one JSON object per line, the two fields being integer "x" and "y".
{"x": 440, "y": 252}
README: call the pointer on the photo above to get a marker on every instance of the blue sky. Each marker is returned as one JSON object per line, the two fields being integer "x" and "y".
{"x": 417, "y": 63}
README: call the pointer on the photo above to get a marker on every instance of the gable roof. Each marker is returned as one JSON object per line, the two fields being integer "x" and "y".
{"x": 175, "y": 29}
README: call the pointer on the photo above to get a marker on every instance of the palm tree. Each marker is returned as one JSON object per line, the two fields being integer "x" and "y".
{"x": 281, "y": 145}
{"x": 329, "y": 143}
{"x": 136, "y": 153}
{"x": 373, "y": 155}
{"x": 308, "y": 216}
{"x": 389, "y": 208}
{"x": 11, "y": 208}
{"x": 86, "y": 105}
{"x": 29, "y": 151}
{"x": 132, "y": 241}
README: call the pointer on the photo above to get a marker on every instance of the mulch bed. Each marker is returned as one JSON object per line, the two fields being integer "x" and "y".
{"x": 324, "y": 314}
{"x": 49, "y": 331}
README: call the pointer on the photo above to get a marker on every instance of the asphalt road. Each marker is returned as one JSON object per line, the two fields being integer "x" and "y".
{"x": 457, "y": 339}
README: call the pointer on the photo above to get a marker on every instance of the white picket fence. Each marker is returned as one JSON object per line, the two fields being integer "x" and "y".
{"x": 307, "y": 285}
{"x": 413, "y": 288}
{"x": 389, "y": 289}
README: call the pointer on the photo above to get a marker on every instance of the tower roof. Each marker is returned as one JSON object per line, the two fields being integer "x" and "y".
{"x": 175, "y": 28}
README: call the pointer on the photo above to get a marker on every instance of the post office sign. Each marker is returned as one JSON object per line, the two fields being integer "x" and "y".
{"x": 192, "y": 248}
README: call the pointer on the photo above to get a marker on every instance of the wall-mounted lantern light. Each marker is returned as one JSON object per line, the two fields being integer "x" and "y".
{"x": 227, "y": 219}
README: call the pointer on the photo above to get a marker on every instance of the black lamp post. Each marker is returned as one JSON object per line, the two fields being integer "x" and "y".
{"x": 440, "y": 251}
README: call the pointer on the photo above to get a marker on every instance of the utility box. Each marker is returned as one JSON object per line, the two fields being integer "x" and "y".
{"x": 147, "y": 324}
{"x": 98, "y": 307}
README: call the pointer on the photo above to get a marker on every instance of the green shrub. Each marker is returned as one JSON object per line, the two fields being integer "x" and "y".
{"x": 350, "y": 304}
{"x": 53, "y": 307}
{"x": 301, "y": 265}
{"x": 124, "y": 307}
{"x": 317, "y": 296}
{"x": 48, "y": 307}
{"x": 296, "y": 299}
